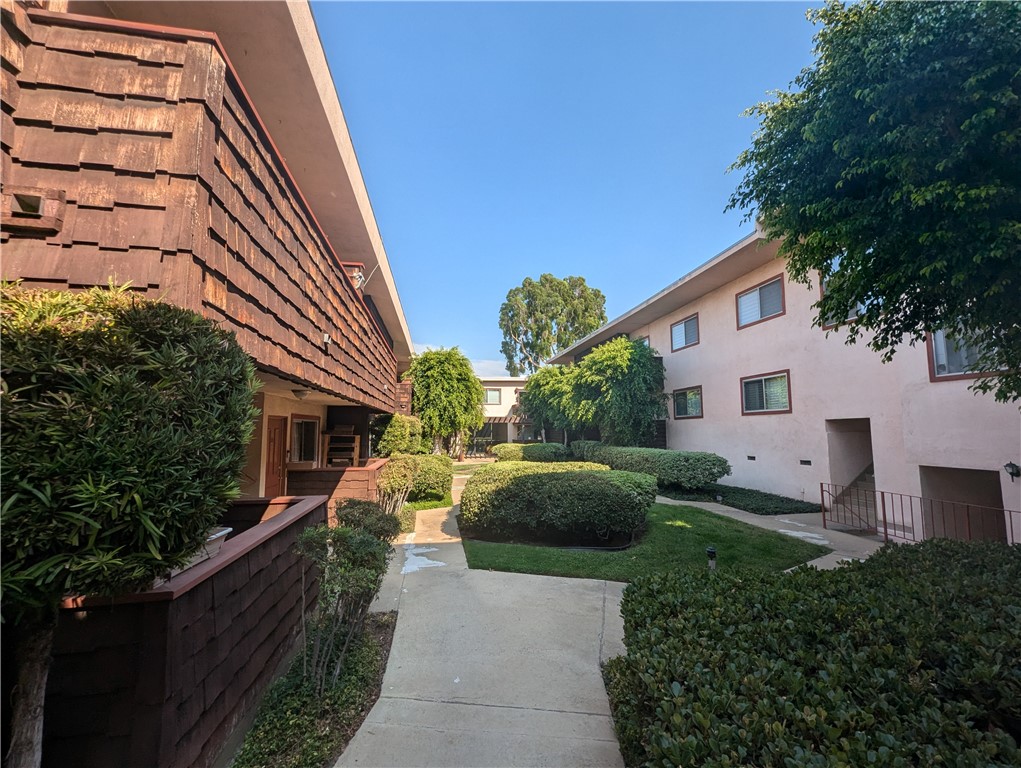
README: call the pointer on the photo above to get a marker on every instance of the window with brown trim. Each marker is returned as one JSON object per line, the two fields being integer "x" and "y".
{"x": 688, "y": 403}
{"x": 684, "y": 333}
{"x": 951, "y": 357}
{"x": 766, "y": 393}
{"x": 762, "y": 302}
{"x": 643, "y": 339}
{"x": 492, "y": 397}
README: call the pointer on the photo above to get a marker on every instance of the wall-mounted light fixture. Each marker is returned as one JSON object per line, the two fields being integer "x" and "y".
{"x": 327, "y": 340}
{"x": 301, "y": 394}
{"x": 1012, "y": 469}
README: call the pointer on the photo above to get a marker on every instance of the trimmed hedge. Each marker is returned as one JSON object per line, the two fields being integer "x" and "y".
{"x": 366, "y": 516}
{"x": 434, "y": 477}
{"x": 531, "y": 452}
{"x": 687, "y": 469}
{"x": 566, "y": 502}
{"x": 403, "y": 434}
{"x": 910, "y": 658}
{"x": 747, "y": 499}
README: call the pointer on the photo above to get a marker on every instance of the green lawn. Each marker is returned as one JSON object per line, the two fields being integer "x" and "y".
{"x": 431, "y": 503}
{"x": 677, "y": 537}
{"x": 467, "y": 469}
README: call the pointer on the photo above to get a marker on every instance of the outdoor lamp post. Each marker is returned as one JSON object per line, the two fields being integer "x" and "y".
{"x": 711, "y": 554}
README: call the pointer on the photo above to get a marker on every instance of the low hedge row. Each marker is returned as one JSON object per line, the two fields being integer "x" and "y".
{"x": 911, "y": 658}
{"x": 531, "y": 452}
{"x": 747, "y": 499}
{"x": 568, "y": 502}
{"x": 686, "y": 469}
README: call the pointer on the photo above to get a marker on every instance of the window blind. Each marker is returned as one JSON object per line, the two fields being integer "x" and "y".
{"x": 684, "y": 334}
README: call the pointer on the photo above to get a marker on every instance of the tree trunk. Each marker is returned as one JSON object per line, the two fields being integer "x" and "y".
{"x": 437, "y": 444}
{"x": 35, "y": 644}
{"x": 457, "y": 446}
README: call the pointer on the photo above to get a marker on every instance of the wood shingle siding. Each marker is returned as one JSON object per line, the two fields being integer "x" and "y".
{"x": 173, "y": 185}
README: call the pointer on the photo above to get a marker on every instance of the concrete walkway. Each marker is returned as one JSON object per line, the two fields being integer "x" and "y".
{"x": 808, "y": 527}
{"x": 489, "y": 669}
{"x": 503, "y": 669}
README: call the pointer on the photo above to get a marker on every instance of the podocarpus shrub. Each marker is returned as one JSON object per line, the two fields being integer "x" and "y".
{"x": 366, "y": 516}
{"x": 351, "y": 563}
{"x": 394, "y": 483}
{"x": 124, "y": 432}
{"x": 434, "y": 476}
{"x": 566, "y": 502}
{"x": 531, "y": 452}
{"x": 402, "y": 435}
{"x": 911, "y": 658}
{"x": 686, "y": 469}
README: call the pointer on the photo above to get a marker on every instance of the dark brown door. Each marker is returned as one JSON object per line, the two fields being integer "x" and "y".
{"x": 276, "y": 455}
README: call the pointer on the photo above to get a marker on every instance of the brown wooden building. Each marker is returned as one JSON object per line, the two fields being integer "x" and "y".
{"x": 198, "y": 152}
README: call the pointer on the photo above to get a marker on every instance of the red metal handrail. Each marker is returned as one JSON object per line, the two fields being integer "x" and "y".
{"x": 907, "y": 518}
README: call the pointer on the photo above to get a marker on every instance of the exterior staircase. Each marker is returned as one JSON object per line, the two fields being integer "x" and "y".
{"x": 855, "y": 506}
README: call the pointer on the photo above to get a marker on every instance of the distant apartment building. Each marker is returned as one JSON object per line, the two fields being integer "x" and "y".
{"x": 504, "y": 420}
{"x": 799, "y": 413}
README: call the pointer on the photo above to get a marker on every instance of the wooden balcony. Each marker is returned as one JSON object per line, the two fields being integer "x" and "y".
{"x": 151, "y": 166}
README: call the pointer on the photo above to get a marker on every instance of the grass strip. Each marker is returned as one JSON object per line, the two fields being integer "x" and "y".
{"x": 676, "y": 537}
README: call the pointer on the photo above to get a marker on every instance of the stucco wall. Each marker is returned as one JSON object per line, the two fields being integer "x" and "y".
{"x": 913, "y": 420}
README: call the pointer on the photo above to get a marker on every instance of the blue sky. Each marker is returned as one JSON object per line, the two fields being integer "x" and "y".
{"x": 503, "y": 140}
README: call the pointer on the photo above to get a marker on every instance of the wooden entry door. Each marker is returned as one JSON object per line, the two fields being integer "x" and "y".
{"x": 276, "y": 455}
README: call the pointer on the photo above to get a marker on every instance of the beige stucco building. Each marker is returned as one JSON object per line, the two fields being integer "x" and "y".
{"x": 504, "y": 423}
{"x": 793, "y": 407}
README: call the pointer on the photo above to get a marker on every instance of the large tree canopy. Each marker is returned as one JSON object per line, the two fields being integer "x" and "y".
{"x": 541, "y": 317}
{"x": 446, "y": 395}
{"x": 617, "y": 387}
{"x": 893, "y": 168}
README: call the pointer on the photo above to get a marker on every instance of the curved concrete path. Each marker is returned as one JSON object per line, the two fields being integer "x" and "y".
{"x": 503, "y": 669}
{"x": 489, "y": 669}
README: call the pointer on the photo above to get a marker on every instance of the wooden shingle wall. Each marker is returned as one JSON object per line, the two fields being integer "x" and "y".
{"x": 172, "y": 185}
{"x": 162, "y": 679}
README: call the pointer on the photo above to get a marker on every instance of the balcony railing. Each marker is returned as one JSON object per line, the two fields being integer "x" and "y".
{"x": 905, "y": 518}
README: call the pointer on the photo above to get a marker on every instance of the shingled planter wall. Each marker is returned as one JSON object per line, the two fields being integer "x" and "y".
{"x": 163, "y": 678}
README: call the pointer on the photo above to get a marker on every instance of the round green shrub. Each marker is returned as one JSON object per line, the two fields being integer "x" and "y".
{"x": 403, "y": 434}
{"x": 367, "y": 516}
{"x": 910, "y": 658}
{"x": 570, "y": 502}
{"x": 531, "y": 452}
{"x": 124, "y": 426}
{"x": 434, "y": 477}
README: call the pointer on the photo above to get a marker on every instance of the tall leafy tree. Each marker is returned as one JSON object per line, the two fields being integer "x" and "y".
{"x": 547, "y": 398}
{"x": 893, "y": 168}
{"x": 618, "y": 387}
{"x": 541, "y": 317}
{"x": 447, "y": 396}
